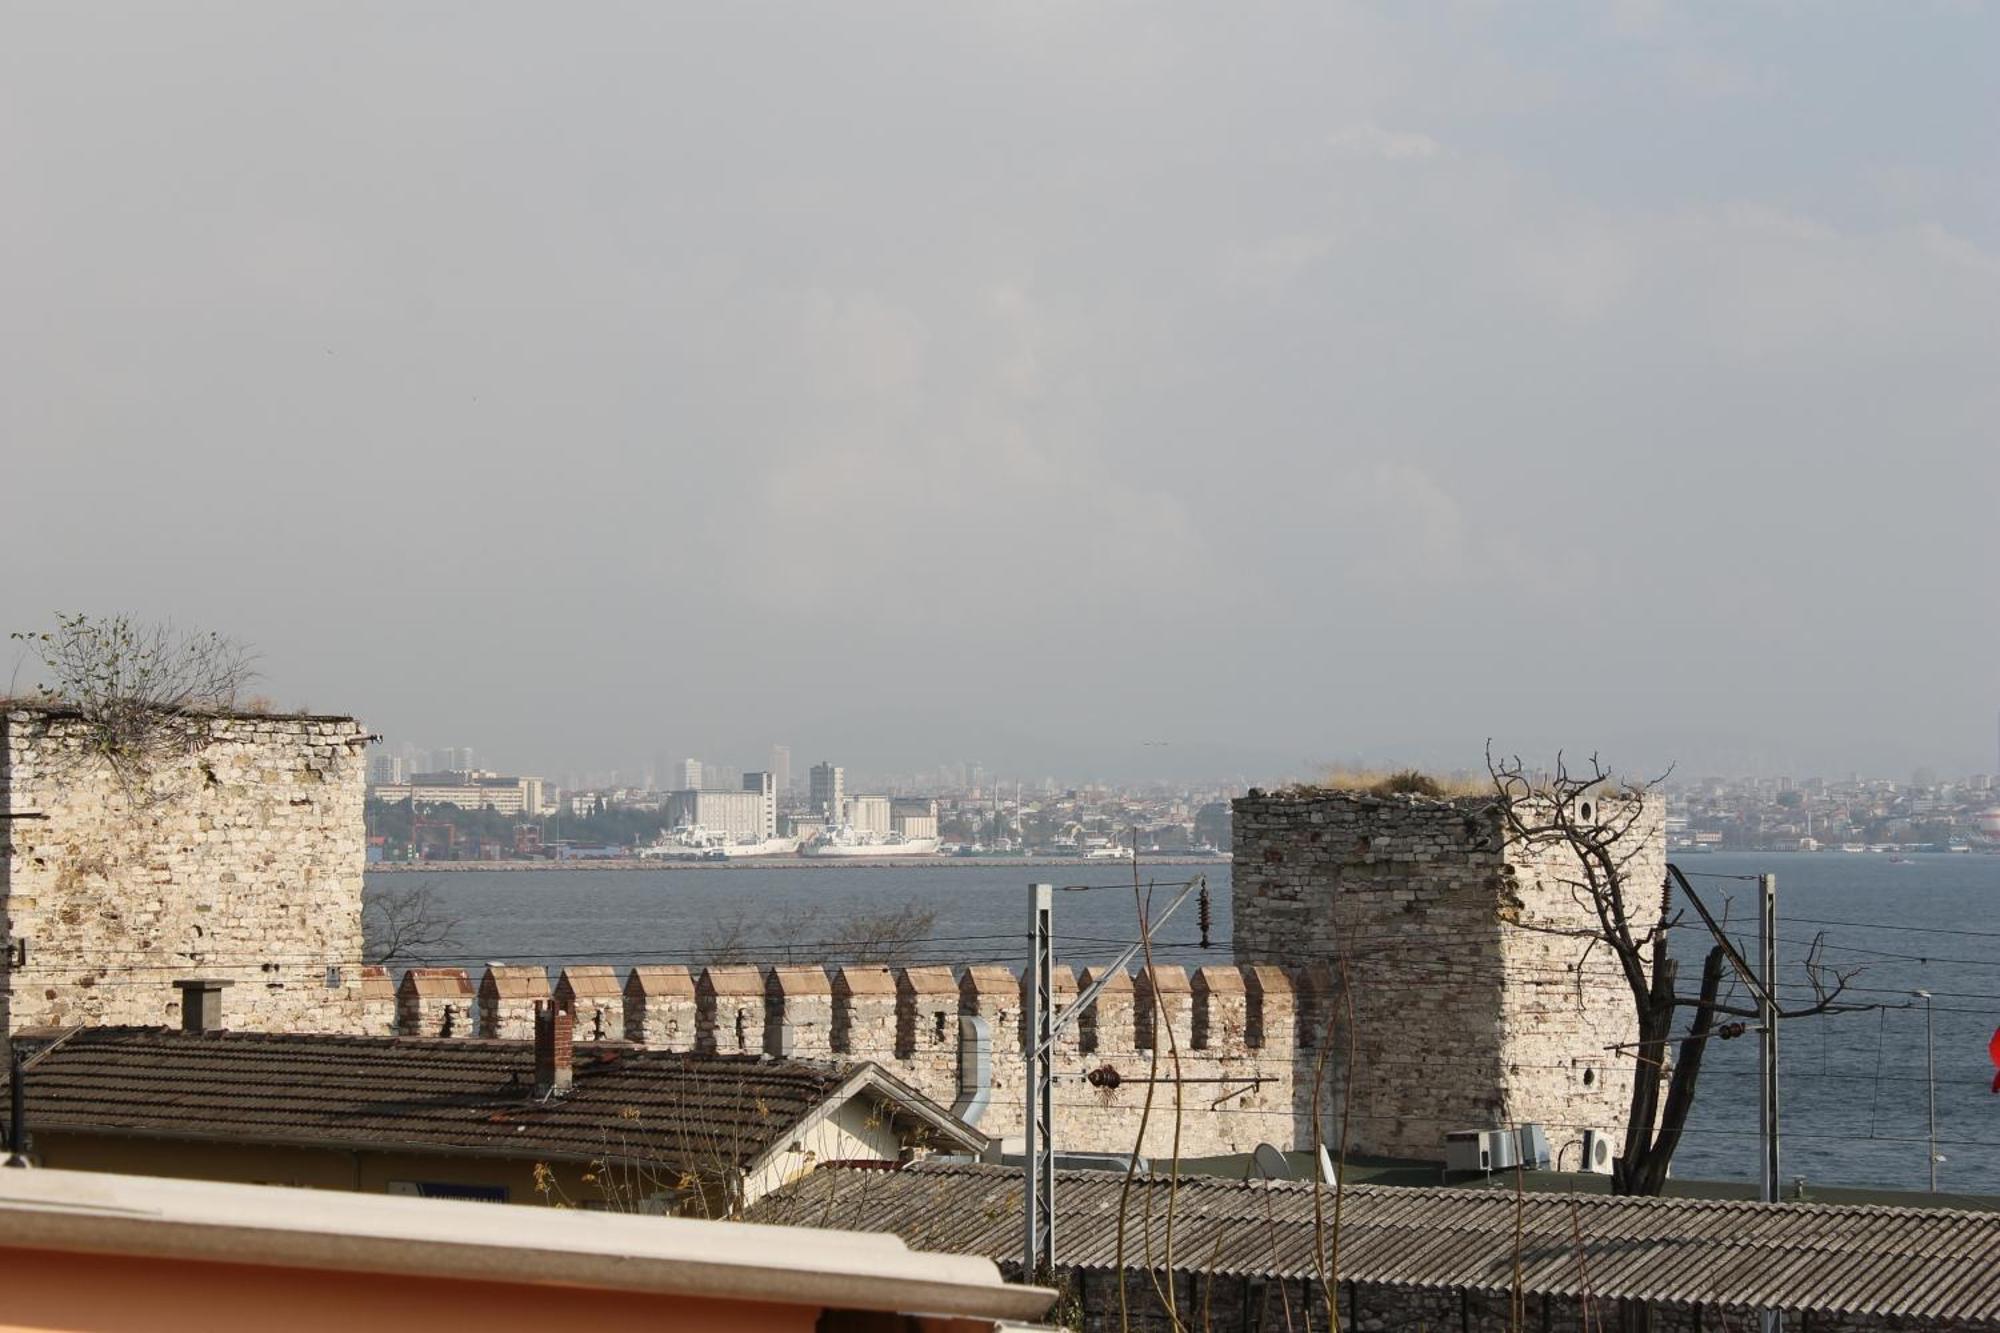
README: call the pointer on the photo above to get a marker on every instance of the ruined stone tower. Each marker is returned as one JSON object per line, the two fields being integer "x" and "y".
{"x": 238, "y": 857}
{"x": 1461, "y": 1018}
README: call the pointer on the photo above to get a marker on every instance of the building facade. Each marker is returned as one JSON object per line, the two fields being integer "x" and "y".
{"x": 765, "y": 786}
{"x": 868, "y": 814}
{"x": 827, "y": 793}
{"x": 469, "y": 791}
{"x": 913, "y": 817}
{"x": 741, "y": 816}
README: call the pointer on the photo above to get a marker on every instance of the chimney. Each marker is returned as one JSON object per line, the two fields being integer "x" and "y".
{"x": 201, "y": 1004}
{"x": 553, "y": 1064}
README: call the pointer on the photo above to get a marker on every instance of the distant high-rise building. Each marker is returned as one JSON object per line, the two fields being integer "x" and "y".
{"x": 385, "y": 769}
{"x": 691, "y": 775}
{"x": 781, "y": 768}
{"x": 766, "y": 786}
{"x": 827, "y": 793}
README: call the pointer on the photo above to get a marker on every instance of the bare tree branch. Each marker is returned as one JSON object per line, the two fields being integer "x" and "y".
{"x": 408, "y": 924}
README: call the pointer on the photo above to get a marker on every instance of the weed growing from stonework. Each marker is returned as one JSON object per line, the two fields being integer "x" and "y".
{"x": 141, "y": 693}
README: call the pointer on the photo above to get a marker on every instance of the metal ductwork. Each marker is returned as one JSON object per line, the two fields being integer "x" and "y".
{"x": 975, "y": 1069}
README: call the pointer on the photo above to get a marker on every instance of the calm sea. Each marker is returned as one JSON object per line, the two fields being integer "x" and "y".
{"x": 1854, "y": 1094}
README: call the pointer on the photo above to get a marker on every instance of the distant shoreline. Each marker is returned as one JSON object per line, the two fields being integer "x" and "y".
{"x": 630, "y": 863}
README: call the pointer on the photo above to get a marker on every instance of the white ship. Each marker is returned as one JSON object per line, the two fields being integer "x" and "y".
{"x": 692, "y": 842}
{"x": 844, "y": 841}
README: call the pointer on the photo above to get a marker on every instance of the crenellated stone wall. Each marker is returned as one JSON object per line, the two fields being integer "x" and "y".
{"x": 907, "y": 1021}
{"x": 236, "y": 858}
{"x": 1429, "y": 950}
{"x": 1397, "y": 946}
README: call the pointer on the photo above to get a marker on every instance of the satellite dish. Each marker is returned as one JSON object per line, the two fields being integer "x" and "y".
{"x": 1327, "y": 1175}
{"x": 1271, "y": 1163}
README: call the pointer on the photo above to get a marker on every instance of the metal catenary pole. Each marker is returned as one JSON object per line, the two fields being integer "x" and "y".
{"x": 1038, "y": 1135}
{"x": 1038, "y": 1147}
{"x": 1767, "y": 960}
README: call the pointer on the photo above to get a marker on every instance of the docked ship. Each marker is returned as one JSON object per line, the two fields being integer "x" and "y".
{"x": 844, "y": 841}
{"x": 692, "y": 842}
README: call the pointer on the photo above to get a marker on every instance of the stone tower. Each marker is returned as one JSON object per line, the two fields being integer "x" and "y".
{"x": 237, "y": 857}
{"x": 1461, "y": 1018}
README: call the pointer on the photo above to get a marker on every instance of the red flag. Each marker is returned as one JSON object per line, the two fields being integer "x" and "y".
{"x": 1993, "y": 1050}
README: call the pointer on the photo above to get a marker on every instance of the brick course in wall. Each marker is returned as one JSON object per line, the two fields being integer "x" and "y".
{"x": 239, "y": 859}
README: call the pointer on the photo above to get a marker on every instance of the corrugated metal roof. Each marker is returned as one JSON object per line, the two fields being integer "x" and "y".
{"x": 1934, "y": 1264}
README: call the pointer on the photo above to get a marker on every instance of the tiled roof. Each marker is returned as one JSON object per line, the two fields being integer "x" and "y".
{"x": 466, "y": 1095}
{"x": 1933, "y": 1264}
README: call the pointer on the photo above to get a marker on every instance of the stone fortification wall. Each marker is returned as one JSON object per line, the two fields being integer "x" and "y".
{"x": 239, "y": 859}
{"x": 1410, "y": 922}
{"x": 1233, "y": 1029}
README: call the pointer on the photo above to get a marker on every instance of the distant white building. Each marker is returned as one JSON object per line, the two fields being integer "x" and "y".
{"x": 740, "y": 816}
{"x": 913, "y": 817}
{"x": 468, "y": 791}
{"x": 868, "y": 814}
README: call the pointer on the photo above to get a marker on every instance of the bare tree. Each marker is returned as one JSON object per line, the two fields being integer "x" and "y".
{"x": 888, "y": 938}
{"x": 142, "y": 692}
{"x": 891, "y": 937}
{"x": 407, "y": 924}
{"x": 1592, "y": 835}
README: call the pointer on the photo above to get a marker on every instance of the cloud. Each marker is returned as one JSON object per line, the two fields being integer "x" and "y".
{"x": 1370, "y": 140}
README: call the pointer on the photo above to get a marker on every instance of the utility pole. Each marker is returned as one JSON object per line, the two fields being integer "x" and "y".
{"x": 1038, "y": 1149}
{"x": 1930, "y": 1082}
{"x": 1767, "y": 1003}
{"x": 1038, "y": 1253}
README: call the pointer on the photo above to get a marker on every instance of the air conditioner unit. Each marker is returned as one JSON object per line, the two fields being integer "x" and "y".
{"x": 1503, "y": 1149}
{"x": 1597, "y": 1152}
{"x": 1465, "y": 1150}
{"x": 1534, "y": 1144}
{"x": 1481, "y": 1150}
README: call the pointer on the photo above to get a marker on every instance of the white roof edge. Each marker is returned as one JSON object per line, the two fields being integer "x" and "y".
{"x": 263, "y": 1224}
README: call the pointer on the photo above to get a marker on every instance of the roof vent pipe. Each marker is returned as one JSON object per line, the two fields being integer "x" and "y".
{"x": 975, "y": 1069}
{"x": 201, "y": 1004}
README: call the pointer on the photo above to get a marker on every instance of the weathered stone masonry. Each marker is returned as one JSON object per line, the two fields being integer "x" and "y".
{"x": 1461, "y": 1016}
{"x": 240, "y": 860}
{"x": 243, "y": 862}
{"x": 1232, "y": 1030}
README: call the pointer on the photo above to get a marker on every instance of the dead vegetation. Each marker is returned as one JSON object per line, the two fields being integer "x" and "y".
{"x": 1395, "y": 782}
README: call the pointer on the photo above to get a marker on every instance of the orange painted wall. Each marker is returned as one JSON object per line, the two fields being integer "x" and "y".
{"x": 48, "y": 1291}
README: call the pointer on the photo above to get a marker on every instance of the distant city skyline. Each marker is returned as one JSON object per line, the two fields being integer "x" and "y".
{"x": 393, "y": 756}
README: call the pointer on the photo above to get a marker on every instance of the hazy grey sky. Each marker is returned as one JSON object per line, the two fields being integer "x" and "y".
{"x": 1026, "y": 383}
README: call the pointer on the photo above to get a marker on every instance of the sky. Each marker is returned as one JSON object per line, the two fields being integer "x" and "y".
{"x": 1110, "y": 390}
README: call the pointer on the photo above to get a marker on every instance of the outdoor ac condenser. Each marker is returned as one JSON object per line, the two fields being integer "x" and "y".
{"x": 1597, "y": 1152}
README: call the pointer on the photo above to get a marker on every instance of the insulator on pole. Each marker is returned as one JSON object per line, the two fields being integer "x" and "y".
{"x": 1204, "y": 914}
